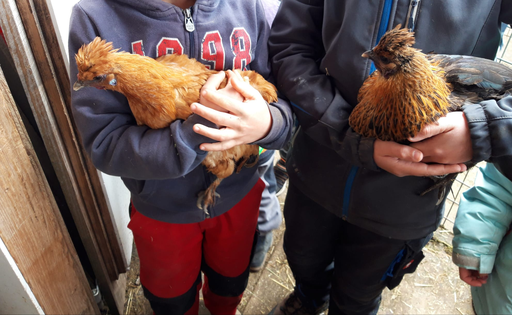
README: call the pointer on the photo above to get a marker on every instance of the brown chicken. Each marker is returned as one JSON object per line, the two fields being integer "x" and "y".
{"x": 161, "y": 91}
{"x": 411, "y": 89}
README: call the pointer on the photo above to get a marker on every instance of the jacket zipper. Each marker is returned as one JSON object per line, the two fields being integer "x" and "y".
{"x": 190, "y": 28}
{"x": 383, "y": 26}
{"x": 412, "y": 14}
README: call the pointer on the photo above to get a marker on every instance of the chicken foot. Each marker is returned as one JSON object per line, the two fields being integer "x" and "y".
{"x": 206, "y": 197}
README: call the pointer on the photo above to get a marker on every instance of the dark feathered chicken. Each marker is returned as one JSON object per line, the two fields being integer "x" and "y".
{"x": 410, "y": 89}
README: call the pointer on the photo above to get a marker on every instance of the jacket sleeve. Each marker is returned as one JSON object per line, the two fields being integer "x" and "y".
{"x": 490, "y": 124}
{"x": 282, "y": 117}
{"x": 483, "y": 219}
{"x": 296, "y": 49}
{"x": 110, "y": 135}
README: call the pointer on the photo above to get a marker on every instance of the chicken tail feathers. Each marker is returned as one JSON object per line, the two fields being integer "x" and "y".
{"x": 443, "y": 184}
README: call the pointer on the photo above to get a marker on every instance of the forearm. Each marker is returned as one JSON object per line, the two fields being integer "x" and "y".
{"x": 296, "y": 50}
{"x": 117, "y": 146}
{"x": 483, "y": 218}
{"x": 111, "y": 137}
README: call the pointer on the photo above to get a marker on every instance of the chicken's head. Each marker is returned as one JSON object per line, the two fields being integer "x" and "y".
{"x": 94, "y": 65}
{"x": 393, "y": 52}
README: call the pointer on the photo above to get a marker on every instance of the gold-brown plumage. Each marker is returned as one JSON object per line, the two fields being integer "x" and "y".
{"x": 406, "y": 93}
{"x": 161, "y": 91}
{"x": 411, "y": 89}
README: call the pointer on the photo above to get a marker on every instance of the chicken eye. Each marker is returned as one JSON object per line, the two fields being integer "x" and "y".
{"x": 99, "y": 78}
{"x": 384, "y": 59}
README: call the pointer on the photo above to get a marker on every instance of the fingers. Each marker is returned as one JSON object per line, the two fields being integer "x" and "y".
{"x": 245, "y": 121}
{"x": 212, "y": 84}
{"x": 216, "y": 117}
{"x": 218, "y": 146}
{"x": 431, "y": 130}
{"x": 225, "y": 103}
{"x": 393, "y": 149}
{"x": 220, "y": 100}
{"x": 227, "y": 138}
{"x": 452, "y": 145}
{"x": 444, "y": 124}
{"x": 222, "y": 134}
{"x": 465, "y": 275}
{"x": 242, "y": 86}
{"x": 214, "y": 81}
{"x": 217, "y": 97}
{"x": 402, "y": 168}
{"x": 472, "y": 277}
{"x": 406, "y": 153}
{"x": 483, "y": 278}
{"x": 424, "y": 169}
{"x": 402, "y": 160}
{"x": 245, "y": 78}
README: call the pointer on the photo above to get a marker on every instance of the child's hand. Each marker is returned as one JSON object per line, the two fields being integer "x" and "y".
{"x": 472, "y": 277}
{"x": 447, "y": 141}
{"x": 244, "y": 122}
{"x": 403, "y": 160}
{"x": 212, "y": 84}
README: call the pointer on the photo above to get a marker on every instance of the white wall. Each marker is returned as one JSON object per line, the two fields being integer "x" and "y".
{"x": 15, "y": 294}
{"x": 61, "y": 13}
{"x": 119, "y": 199}
{"x": 117, "y": 194}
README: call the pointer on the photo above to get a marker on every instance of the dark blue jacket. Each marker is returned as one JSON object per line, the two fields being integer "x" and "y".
{"x": 316, "y": 49}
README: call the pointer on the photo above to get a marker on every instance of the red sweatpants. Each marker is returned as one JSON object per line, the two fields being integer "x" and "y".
{"x": 173, "y": 255}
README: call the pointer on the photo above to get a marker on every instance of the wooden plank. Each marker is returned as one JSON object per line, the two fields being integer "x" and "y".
{"x": 56, "y": 132}
{"x": 58, "y": 58}
{"x": 55, "y": 72}
{"x": 59, "y": 110}
{"x": 30, "y": 223}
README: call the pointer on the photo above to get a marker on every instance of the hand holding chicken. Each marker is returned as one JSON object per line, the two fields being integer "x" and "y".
{"x": 411, "y": 91}
{"x": 161, "y": 91}
{"x": 247, "y": 119}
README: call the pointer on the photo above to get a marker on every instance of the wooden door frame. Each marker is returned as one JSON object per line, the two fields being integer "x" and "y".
{"x": 31, "y": 226}
{"x": 29, "y": 31}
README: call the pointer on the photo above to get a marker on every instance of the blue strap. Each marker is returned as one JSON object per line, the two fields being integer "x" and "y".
{"x": 348, "y": 189}
{"x": 384, "y": 22}
{"x": 389, "y": 272}
{"x": 300, "y": 108}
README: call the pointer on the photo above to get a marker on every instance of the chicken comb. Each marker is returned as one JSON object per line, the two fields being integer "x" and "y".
{"x": 98, "y": 49}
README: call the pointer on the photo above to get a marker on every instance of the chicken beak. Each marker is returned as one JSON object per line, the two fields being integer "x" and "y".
{"x": 367, "y": 54}
{"x": 78, "y": 85}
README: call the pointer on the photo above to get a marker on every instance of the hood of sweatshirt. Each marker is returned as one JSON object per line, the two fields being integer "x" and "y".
{"x": 159, "y": 8}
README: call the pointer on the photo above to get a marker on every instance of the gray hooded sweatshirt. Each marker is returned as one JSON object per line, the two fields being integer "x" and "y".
{"x": 162, "y": 168}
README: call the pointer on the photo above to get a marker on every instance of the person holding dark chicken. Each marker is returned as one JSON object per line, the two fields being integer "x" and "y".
{"x": 356, "y": 221}
{"x": 176, "y": 238}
